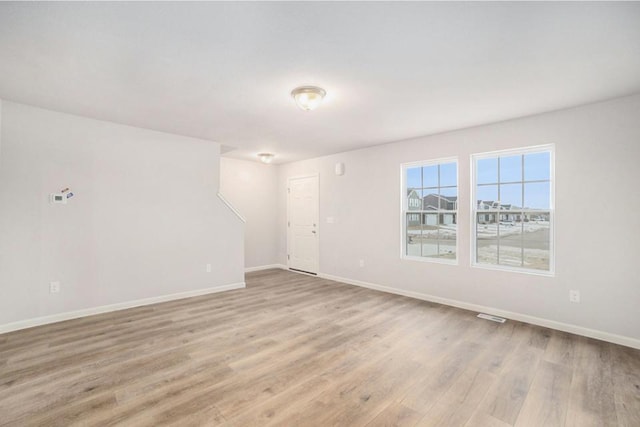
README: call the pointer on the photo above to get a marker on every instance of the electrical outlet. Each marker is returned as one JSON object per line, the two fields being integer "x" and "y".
{"x": 208, "y": 268}
{"x": 54, "y": 287}
{"x": 361, "y": 263}
{"x": 574, "y": 296}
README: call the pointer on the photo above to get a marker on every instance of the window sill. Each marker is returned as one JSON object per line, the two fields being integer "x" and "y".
{"x": 430, "y": 260}
{"x": 514, "y": 269}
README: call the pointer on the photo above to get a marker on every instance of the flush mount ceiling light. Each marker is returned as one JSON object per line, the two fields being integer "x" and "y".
{"x": 266, "y": 157}
{"x": 308, "y": 97}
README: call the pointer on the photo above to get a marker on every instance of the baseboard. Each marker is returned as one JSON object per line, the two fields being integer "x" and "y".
{"x": 552, "y": 324}
{"x": 29, "y": 323}
{"x": 265, "y": 267}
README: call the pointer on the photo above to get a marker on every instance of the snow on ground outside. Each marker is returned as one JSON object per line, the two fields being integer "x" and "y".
{"x": 426, "y": 244}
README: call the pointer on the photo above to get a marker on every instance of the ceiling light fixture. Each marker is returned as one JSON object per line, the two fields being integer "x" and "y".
{"x": 266, "y": 157}
{"x": 308, "y": 97}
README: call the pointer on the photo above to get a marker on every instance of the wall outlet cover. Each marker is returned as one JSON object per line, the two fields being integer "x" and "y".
{"x": 54, "y": 287}
{"x": 574, "y": 296}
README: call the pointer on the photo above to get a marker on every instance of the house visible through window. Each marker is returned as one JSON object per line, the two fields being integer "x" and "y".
{"x": 430, "y": 210}
{"x": 513, "y": 209}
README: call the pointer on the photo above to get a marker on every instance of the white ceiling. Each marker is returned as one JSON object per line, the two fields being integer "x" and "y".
{"x": 223, "y": 71}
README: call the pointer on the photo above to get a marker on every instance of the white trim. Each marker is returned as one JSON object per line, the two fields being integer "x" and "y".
{"x": 308, "y": 175}
{"x": 265, "y": 267}
{"x": 515, "y": 150}
{"x": 551, "y": 148}
{"x": 512, "y": 269}
{"x": 431, "y": 162}
{"x": 552, "y": 324}
{"x": 230, "y": 206}
{"x": 445, "y": 261}
{"x": 318, "y": 230}
{"x": 404, "y": 209}
{"x": 38, "y": 321}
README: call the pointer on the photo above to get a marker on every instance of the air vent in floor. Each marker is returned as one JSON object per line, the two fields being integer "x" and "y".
{"x": 492, "y": 318}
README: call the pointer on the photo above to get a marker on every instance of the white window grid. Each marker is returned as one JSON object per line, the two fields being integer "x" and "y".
{"x": 550, "y": 148}
{"x": 406, "y": 211}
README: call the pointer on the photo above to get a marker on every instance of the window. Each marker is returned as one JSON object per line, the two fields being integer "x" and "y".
{"x": 430, "y": 210}
{"x": 513, "y": 209}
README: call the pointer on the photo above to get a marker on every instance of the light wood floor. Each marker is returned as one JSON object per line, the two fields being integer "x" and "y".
{"x": 293, "y": 350}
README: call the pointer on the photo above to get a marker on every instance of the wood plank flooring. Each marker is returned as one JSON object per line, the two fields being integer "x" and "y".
{"x": 294, "y": 350}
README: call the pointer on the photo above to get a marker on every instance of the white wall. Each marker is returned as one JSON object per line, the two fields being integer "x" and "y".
{"x": 144, "y": 222}
{"x": 251, "y": 187}
{"x": 597, "y": 220}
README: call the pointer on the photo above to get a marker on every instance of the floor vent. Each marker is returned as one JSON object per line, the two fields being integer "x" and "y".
{"x": 302, "y": 271}
{"x": 492, "y": 318}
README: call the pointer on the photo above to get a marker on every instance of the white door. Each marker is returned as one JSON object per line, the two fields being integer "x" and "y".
{"x": 302, "y": 222}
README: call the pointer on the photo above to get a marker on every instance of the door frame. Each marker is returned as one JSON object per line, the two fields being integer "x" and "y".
{"x": 287, "y": 219}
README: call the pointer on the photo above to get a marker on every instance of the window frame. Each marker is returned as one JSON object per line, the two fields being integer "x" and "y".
{"x": 473, "y": 217}
{"x": 404, "y": 211}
